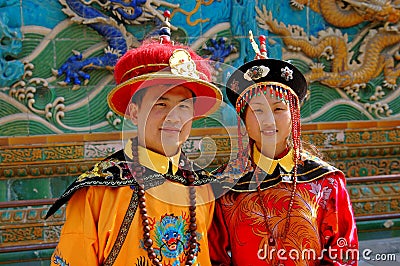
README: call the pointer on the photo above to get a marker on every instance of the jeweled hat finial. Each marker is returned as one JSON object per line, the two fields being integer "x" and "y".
{"x": 262, "y": 52}
{"x": 165, "y": 31}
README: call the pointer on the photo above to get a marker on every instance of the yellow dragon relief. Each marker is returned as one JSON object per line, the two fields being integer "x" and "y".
{"x": 379, "y": 50}
{"x": 349, "y": 13}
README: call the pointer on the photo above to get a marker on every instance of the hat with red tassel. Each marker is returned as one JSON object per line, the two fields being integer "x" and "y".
{"x": 161, "y": 61}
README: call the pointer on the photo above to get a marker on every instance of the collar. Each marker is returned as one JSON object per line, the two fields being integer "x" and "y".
{"x": 268, "y": 165}
{"x": 152, "y": 160}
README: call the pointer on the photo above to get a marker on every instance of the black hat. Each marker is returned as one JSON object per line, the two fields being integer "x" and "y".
{"x": 281, "y": 75}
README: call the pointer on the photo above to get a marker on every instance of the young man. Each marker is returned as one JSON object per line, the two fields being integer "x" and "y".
{"x": 146, "y": 204}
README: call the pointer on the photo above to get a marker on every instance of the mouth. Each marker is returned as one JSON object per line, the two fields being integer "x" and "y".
{"x": 172, "y": 246}
{"x": 269, "y": 132}
{"x": 170, "y": 130}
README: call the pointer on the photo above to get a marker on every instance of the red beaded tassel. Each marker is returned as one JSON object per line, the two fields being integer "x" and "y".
{"x": 240, "y": 145}
{"x": 296, "y": 142}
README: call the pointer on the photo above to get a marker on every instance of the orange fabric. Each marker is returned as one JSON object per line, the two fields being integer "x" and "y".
{"x": 94, "y": 216}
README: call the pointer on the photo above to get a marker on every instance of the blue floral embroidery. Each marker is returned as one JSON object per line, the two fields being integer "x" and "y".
{"x": 60, "y": 261}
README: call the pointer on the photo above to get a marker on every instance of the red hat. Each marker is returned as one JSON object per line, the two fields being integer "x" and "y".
{"x": 164, "y": 63}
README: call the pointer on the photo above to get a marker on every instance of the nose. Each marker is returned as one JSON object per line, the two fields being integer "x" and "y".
{"x": 173, "y": 115}
{"x": 266, "y": 120}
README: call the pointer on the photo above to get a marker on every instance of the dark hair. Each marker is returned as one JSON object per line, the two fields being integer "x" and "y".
{"x": 137, "y": 98}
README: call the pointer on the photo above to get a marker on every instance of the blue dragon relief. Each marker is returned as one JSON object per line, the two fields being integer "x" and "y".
{"x": 94, "y": 14}
{"x": 219, "y": 50}
{"x": 11, "y": 46}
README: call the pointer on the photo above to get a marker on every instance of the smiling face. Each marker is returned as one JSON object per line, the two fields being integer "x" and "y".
{"x": 268, "y": 123}
{"x": 164, "y": 122}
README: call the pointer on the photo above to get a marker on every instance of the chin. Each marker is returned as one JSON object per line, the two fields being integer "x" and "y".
{"x": 171, "y": 150}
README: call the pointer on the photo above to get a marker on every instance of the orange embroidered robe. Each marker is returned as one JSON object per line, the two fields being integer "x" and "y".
{"x": 100, "y": 200}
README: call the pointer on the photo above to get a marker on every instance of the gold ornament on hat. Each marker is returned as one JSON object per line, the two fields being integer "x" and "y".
{"x": 181, "y": 63}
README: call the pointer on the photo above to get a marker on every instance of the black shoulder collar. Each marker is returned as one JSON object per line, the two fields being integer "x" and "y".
{"x": 309, "y": 169}
{"x": 114, "y": 171}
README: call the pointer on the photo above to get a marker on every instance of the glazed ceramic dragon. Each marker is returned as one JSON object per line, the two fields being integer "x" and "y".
{"x": 348, "y": 13}
{"x": 108, "y": 19}
{"x": 379, "y": 50}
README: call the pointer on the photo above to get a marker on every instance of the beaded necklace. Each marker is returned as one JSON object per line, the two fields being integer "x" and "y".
{"x": 138, "y": 171}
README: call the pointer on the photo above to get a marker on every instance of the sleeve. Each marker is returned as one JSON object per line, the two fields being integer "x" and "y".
{"x": 78, "y": 243}
{"x": 338, "y": 228}
{"x": 218, "y": 238}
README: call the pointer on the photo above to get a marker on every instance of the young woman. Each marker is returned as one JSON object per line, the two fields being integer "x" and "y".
{"x": 284, "y": 206}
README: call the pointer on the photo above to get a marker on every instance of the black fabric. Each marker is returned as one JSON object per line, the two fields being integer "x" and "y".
{"x": 308, "y": 170}
{"x": 114, "y": 171}
{"x": 237, "y": 82}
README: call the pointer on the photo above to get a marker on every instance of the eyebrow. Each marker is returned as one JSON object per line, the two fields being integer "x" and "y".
{"x": 262, "y": 104}
{"x": 167, "y": 99}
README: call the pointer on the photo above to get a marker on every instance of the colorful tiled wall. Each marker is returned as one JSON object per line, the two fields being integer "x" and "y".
{"x": 56, "y": 62}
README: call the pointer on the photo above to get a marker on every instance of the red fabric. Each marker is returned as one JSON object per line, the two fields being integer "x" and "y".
{"x": 321, "y": 221}
{"x": 153, "y": 52}
{"x": 148, "y": 66}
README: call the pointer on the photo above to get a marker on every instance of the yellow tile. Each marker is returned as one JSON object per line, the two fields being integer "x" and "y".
{"x": 362, "y": 124}
{"x": 27, "y": 140}
{"x": 65, "y": 138}
{"x": 333, "y": 125}
{"x": 389, "y": 123}
{"x": 4, "y": 141}
{"x": 102, "y": 136}
{"x": 311, "y": 126}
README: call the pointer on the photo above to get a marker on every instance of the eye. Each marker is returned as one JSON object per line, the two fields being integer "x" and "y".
{"x": 280, "y": 107}
{"x": 160, "y": 104}
{"x": 185, "y": 106}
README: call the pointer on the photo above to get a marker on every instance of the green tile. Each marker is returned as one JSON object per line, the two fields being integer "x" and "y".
{"x": 3, "y": 190}
{"x": 26, "y": 258}
{"x": 59, "y": 184}
{"x": 28, "y": 189}
{"x": 376, "y": 230}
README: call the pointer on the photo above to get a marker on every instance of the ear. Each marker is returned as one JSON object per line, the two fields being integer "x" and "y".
{"x": 133, "y": 110}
